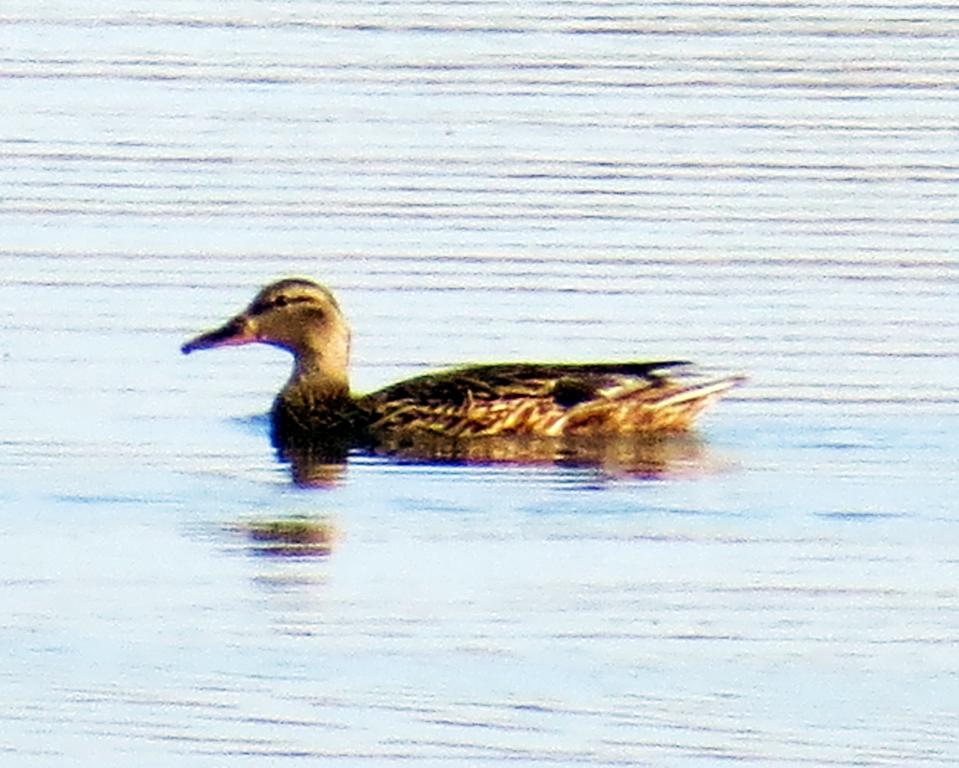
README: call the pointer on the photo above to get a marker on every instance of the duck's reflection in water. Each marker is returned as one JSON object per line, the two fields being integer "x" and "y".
{"x": 294, "y": 536}
{"x": 646, "y": 457}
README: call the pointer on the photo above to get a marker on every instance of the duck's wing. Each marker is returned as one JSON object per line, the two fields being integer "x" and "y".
{"x": 495, "y": 381}
{"x": 548, "y": 400}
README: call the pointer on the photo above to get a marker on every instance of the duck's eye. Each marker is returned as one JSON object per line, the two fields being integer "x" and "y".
{"x": 266, "y": 305}
{"x": 278, "y": 302}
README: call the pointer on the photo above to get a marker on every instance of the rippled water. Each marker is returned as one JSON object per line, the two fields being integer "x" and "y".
{"x": 767, "y": 188}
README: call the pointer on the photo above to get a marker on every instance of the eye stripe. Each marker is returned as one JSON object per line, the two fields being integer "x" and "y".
{"x": 279, "y": 302}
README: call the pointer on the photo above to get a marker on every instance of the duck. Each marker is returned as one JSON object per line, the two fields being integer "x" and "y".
{"x": 465, "y": 405}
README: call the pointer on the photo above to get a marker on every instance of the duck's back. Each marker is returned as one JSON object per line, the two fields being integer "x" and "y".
{"x": 544, "y": 400}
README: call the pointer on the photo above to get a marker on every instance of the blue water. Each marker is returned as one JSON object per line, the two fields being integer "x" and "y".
{"x": 771, "y": 609}
{"x": 761, "y": 190}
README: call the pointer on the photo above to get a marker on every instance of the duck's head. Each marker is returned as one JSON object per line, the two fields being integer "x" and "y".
{"x": 295, "y": 314}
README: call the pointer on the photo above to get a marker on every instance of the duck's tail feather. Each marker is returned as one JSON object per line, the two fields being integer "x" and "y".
{"x": 706, "y": 391}
{"x": 670, "y": 407}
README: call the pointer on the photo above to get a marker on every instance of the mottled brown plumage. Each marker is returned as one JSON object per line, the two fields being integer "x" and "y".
{"x": 485, "y": 401}
{"x": 543, "y": 400}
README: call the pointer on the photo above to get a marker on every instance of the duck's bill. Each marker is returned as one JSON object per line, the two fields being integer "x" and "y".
{"x": 235, "y": 332}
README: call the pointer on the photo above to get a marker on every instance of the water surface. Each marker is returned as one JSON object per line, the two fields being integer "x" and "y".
{"x": 759, "y": 188}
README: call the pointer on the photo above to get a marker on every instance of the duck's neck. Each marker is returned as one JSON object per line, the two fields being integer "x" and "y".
{"x": 315, "y": 409}
{"x": 314, "y": 381}
{"x": 319, "y": 369}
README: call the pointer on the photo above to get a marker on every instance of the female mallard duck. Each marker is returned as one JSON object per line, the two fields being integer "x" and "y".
{"x": 511, "y": 399}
